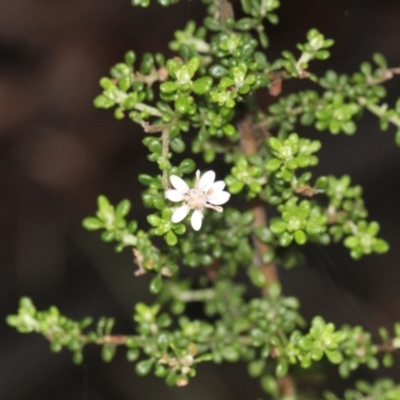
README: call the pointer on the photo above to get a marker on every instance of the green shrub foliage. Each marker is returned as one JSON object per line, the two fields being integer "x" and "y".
{"x": 204, "y": 100}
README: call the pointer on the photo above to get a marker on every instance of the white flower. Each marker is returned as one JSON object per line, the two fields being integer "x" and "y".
{"x": 206, "y": 193}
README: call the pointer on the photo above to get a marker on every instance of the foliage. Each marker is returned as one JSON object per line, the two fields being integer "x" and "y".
{"x": 203, "y": 100}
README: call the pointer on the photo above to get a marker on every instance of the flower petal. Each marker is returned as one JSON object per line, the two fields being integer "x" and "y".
{"x": 180, "y": 214}
{"x": 196, "y": 220}
{"x": 174, "y": 195}
{"x": 179, "y": 184}
{"x": 206, "y": 180}
{"x": 216, "y": 208}
{"x": 219, "y": 198}
{"x": 218, "y": 186}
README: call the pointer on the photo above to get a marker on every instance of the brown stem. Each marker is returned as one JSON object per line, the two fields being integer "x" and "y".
{"x": 248, "y": 144}
{"x": 249, "y": 147}
{"x": 164, "y": 153}
{"x": 224, "y": 11}
{"x": 165, "y": 129}
{"x": 118, "y": 340}
{"x": 287, "y": 386}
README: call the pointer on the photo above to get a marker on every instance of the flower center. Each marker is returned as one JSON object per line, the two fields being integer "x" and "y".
{"x": 196, "y": 199}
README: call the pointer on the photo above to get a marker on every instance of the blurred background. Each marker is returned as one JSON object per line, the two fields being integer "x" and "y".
{"x": 58, "y": 153}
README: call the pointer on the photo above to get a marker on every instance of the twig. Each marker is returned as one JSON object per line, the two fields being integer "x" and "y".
{"x": 249, "y": 147}
{"x": 164, "y": 153}
{"x": 224, "y": 11}
{"x": 287, "y": 386}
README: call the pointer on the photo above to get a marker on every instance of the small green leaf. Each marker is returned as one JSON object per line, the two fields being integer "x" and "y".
{"x": 181, "y": 105}
{"x": 103, "y": 203}
{"x": 123, "y": 208}
{"x": 282, "y": 368}
{"x": 273, "y": 165}
{"x": 230, "y": 354}
{"x": 202, "y": 85}
{"x": 187, "y": 166}
{"x": 154, "y": 220}
{"x": 171, "y": 238}
{"x": 274, "y": 143}
{"x": 156, "y": 284}
{"x": 145, "y": 179}
{"x": 300, "y": 237}
{"x": 256, "y": 368}
{"x": 132, "y": 354}
{"x": 177, "y": 145}
{"x": 335, "y": 357}
{"x": 130, "y": 57}
{"x": 387, "y": 360}
{"x": 217, "y": 71}
{"x": 381, "y": 246}
{"x": 244, "y": 24}
{"x": 257, "y": 277}
{"x": 168, "y": 87}
{"x": 108, "y": 352}
{"x": 143, "y": 367}
{"x": 92, "y": 223}
{"x": 380, "y": 60}
{"x": 322, "y": 183}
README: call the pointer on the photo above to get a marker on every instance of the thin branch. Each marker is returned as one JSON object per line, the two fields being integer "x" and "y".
{"x": 117, "y": 340}
{"x": 224, "y": 11}
{"x": 248, "y": 143}
{"x": 164, "y": 153}
{"x": 249, "y": 147}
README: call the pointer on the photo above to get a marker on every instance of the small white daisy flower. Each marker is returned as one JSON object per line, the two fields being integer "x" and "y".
{"x": 206, "y": 193}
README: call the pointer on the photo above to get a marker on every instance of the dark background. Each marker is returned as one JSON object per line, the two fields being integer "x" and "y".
{"x": 57, "y": 153}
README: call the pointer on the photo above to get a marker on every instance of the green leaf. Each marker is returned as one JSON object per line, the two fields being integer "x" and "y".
{"x": 230, "y": 354}
{"x": 102, "y": 101}
{"x": 123, "y": 208}
{"x": 380, "y": 60}
{"x": 257, "y": 277}
{"x": 351, "y": 242}
{"x": 274, "y": 143}
{"x": 156, "y": 284}
{"x": 130, "y": 57}
{"x": 273, "y": 165}
{"x": 108, "y": 236}
{"x": 108, "y": 352}
{"x": 212, "y": 24}
{"x": 145, "y": 179}
{"x": 92, "y": 223}
{"x": 381, "y": 246}
{"x": 177, "y": 145}
{"x": 103, "y": 203}
{"x": 168, "y": 87}
{"x": 154, "y": 220}
{"x": 256, "y": 368}
{"x": 244, "y": 24}
{"x": 181, "y": 105}
{"x": 270, "y": 385}
{"x": 322, "y": 183}
{"x": 285, "y": 239}
{"x": 335, "y": 357}
{"x": 318, "y": 323}
{"x": 217, "y": 71}
{"x": 202, "y": 85}
{"x": 397, "y": 138}
{"x": 132, "y": 354}
{"x": 278, "y": 227}
{"x": 171, "y": 238}
{"x": 282, "y": 368}
{"x": 143, "y": 367}
{"x": 300, "y": 237}
{"x": 187, "y": 166}
{"x": 387, "y": 360}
